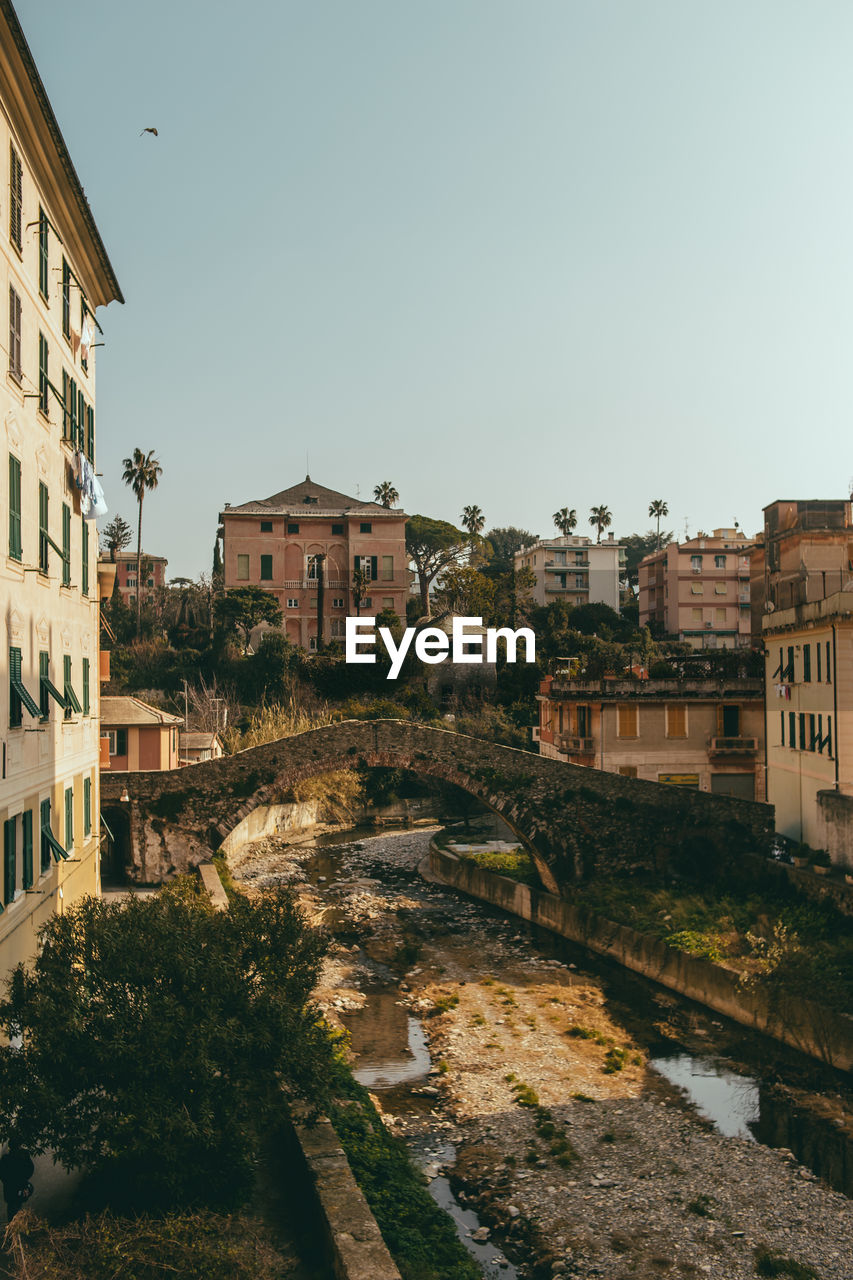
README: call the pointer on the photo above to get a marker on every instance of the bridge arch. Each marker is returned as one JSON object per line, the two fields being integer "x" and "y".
{"x": 574, "y": 820}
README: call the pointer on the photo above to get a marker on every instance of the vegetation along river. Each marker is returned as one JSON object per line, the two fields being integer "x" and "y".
{"x": 574, "y": 1119}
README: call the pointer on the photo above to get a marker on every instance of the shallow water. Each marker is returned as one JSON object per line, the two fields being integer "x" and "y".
{"x": 728, "y": 1099}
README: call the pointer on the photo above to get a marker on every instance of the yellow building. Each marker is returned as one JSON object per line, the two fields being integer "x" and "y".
{"x": 56, "y": 274}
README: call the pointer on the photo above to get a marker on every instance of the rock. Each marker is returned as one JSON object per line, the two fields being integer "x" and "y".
{"x": 481, "y": 1234}
{"x": 513, "y": 1211}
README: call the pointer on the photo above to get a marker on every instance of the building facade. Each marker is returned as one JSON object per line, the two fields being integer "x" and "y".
{"x": 804, "y": 553}
{"x": 153, "y": 575}
{"x": 137, "y": 735}
{"x": 707, "y": 734}
{"x": 304, "y": 544}
{"x": 698, "y": 591}
{"x": 576, "y": 570}
{"x": 56, "y": 273}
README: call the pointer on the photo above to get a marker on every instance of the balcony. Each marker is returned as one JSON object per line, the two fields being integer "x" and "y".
{"x": 733, "y": 747}
{"x": 577, "y": 746}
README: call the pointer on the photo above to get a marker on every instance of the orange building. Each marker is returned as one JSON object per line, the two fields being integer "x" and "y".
{"x": 139, "y": 736}
{"x": 153, "y": 574}
{"x": 289, "y": 542}
{"x": 698, "y": 591}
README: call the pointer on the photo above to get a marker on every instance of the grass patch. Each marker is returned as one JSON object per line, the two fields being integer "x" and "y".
{"x": 770, "y": 1263}
{"x": 445, "y": 1003}
{"x": 525, "y": 1095}
{"x": 614, "y": 1060}
{"x": 702, "y": 1206}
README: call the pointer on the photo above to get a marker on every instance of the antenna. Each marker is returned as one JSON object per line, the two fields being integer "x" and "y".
{"x": 686, "y": 532}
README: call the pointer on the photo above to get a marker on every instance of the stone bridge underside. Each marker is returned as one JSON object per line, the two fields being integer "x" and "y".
{"x": 574, "y": 820}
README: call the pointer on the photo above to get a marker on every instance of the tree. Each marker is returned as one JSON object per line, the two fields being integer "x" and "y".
{"x": 473, "y": 520}
{"x": 217, "y": 562}
{"x": 466, "y": 591}
{"x": 565, "y": 520}
{"x": 601, "y": 518}
{"x": 658, "y": 509}
{"x": 386, "y": 494}
{"x": 116, "y": 536}
{"x": 505, "y": 541}
{"x": 434, "y": 546}
{"x": 155, "y": 1036}
{"x": 360, "y": 588}
{"x": 142, "y": 472}
{"x": 637, "y": 546}
{"x": 245, "y": 608}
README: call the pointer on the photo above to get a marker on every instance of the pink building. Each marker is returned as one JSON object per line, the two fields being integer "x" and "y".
{"x": 153, "y": 575}
{"x": 285, "y": 543}
{"x": 698, "y": 591}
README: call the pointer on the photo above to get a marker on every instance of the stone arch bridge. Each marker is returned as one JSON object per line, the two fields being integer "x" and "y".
{"x": 574, "y": 820}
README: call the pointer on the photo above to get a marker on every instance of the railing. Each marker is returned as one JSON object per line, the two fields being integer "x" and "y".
{"x": 733, "y": 746}
{"x": 341, "y": 584}
{"x": 578, "y": 746}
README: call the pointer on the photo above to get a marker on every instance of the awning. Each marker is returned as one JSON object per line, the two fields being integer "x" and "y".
{"x": 19, "y": 687}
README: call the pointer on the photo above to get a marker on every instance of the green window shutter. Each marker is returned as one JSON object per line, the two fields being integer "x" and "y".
{"x": 66, "y": 545}
{"x": 80, "y": 438}
{"x": 72, "y": 702}
{"x": 66, "y": 299}
{"x": 84, "y": 573}
{"x": 72, "y": 411}
{"x": 44, "y": 685}
{"x": 44, "y": 828}
{"x": 85, "y": 686}
{"x": 66, "y": 411}
{"x": 87, "y": 806}
{"x": 266, "y": 568}
{"x": 15, "y": 544}
{"x": 10, "y": 859}
{"x": 374, "y": 571}
{"x": 69, "y": 819}
{"x": 90, "y": 434}
{"x": 16, "y": 197}
{"x": 44, "y": 276}
{"x": 44, "y": 504}
{"x": 27, "y": 827}
{"x": 44, "y": 375}
{"x": 15, "y": 711}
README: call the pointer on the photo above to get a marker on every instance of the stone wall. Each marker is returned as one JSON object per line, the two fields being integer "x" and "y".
{"x": 574, "y": 820}
{"x": 835, "y": 827}
{"x": 807, "y": 1026}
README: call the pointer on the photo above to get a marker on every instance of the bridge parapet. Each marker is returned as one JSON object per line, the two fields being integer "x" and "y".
{"x": 575, "y": 820}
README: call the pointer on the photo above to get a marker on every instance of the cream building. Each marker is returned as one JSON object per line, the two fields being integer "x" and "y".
{"x": 576, "y": 570}
{"x": 56, "y": 273}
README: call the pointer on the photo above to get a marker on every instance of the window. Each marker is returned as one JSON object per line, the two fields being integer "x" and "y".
{"x": 19, "y": 695}
{"x": 27, "y": 849}
{"x": 627, "y": 722}
{"x": 812, "y": 732}
{"x": 828, "y": 666}
{"x": 87, "y": 806}
{"x": 292, "y": 602}
{"x": 388, "y": 568}
{"x": 337, "y": 530}
{"x": 66, "y": 545}
{"x": 266, "y": 568}
{"x": 728, "y": 720}
{"x": 719, "y": 562}
{"x": 266, "y": 526}
{"x": 584, "y": 718}
{"x": 291, "y": 528}
{"x": 697, "y": 589}
{"x": 792, "y": 730}
{"x": 696, "y": 615}
{"x": 90, "y": 433}
{"x": 242, "y": 568}
{"x": 10, "y": 859}
{"x": 84, "y": 545}
{"x": 580, "y": 581}
{"x": 387, "y": 602}
{"x": 789, "y": 669}
{"x": 802, "y": 731}
{"x": 578, "y": 557}
{"x": 131, "y": 582}
{"x": 561, "y": 579}
{"x": 313, "y": 567}
{"x": 44, "y": 375}
{"x": 69, "y": 819}
{"x": 366, "y": 565}
{"x": 66, "y": 299}
{"x": 807, "y": 663}
{"x": 820, "y": 740}
{"x": 79, "y": 438}
{"x": 16, "y": 197}
{"x": 720, "y": 617}
{"x": 118, "y": 742}
{"x": 365, "y": 527}
{"x": 14, "y": 334}
{"x": 338, "y": 602}
{"x": 72, "y": 702}
{"x": 15, "y": 545}
{"x": 676, "y": 720}
{"x": 338, "y": 628}
{"x": 719, "y": 588}
{"x": 43, "y": 256}
{"x": 45, "y": 687}
{"x": 367, "y": 602}
{"x": 559, "y": 557}
{"x": 829, "y": 733}
{"x": 44, "y": 828}
{"x": 696, "y": 564}
{"x": 69, "y": 408}
{"x": 817, "y": 655}
{"x": 782, "y": 727}
{"x": 85, "y": 678}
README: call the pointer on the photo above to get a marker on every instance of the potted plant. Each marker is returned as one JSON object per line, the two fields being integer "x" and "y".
{"x": 820, "y": 862}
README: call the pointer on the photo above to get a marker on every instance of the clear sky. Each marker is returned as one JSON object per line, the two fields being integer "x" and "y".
{"x": 524, "y": 255}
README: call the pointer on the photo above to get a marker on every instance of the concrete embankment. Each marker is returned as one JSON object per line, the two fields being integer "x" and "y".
{"x": 352, "y": 1240}
{"x": 803, "y": 1024}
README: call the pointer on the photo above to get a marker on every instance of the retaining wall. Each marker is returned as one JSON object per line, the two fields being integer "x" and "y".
{"x": 804, "y": 1025}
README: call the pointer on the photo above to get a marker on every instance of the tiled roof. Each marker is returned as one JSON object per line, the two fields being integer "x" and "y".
{"x": 120, "y": 710}
{"x": 199, "y": 739}
{"x": 130, "y": 556}
{"x": 323, "y": 502}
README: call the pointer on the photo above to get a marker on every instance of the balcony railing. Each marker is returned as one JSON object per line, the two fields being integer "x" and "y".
{"x": 341, "y": 584}
{"x": 578, "y": 746}
{"x": 734, "y": 746}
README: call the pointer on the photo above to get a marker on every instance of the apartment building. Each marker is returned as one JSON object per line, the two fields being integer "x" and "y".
{"x": 153, "y": 574}
{"x": 304, "y": 546}
{"x": 698, "y": 591}
{"x": 56, "y": 274}
{"x": 688, "y": 732}
{"x": 576, "y": 570}
{"x": 806, "y": 586}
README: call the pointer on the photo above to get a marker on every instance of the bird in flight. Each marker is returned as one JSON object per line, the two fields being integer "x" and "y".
{"x": 150, "y": 130}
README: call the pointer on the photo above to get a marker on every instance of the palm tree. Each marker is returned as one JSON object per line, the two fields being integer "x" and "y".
{"x": 142, "y": 472}
{"x": 601, "y": 518}
{"x": 565, "y": 520}
{"x": 658, "y": 509}
{"x": 386, "y": 494}
{"x": 473, "y": 520}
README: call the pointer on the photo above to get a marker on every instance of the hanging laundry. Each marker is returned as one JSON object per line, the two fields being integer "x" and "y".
{"x": 99, "y": 503}
{"x": 87, "y": 336}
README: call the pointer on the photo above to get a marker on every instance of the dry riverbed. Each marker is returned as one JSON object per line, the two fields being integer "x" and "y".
{"x": 579, "y": 1159}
